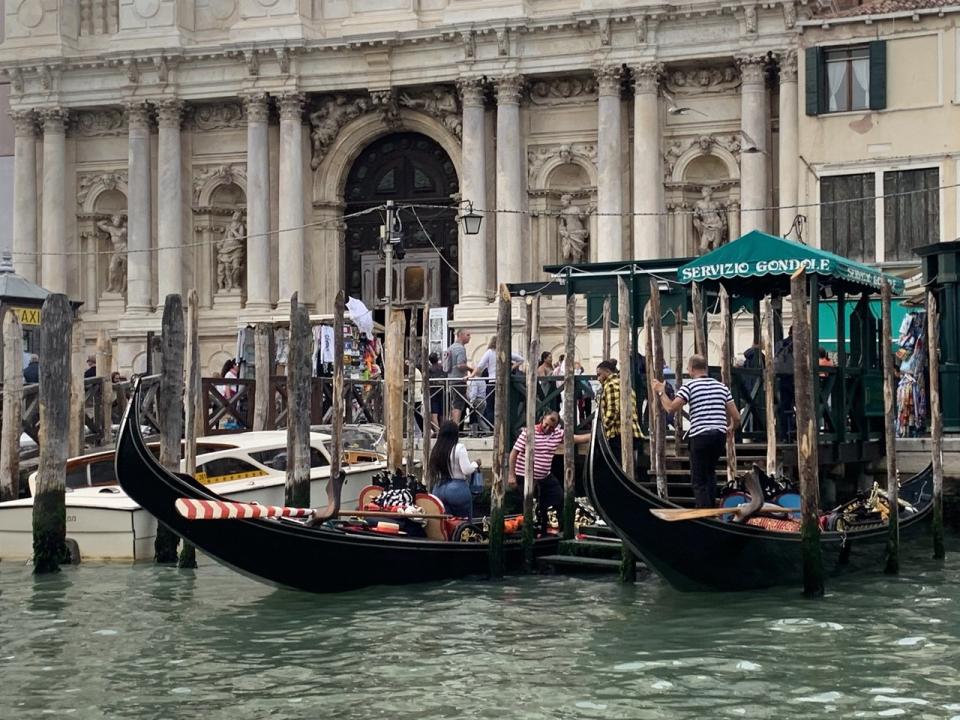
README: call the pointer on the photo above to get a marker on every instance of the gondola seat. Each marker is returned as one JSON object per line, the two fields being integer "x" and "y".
{"x": 367, "y": 496}
{"x": 432, "y": 505}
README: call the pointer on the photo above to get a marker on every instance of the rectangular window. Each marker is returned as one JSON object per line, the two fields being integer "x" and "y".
{"x": 847, "y": 78}
{"x": 911, "y": 212}
{"x": 847, "y": 216}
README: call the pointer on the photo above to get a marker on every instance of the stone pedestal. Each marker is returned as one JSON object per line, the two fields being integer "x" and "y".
{"x": 228, "y": 300}
{"x": 111, "y": 303}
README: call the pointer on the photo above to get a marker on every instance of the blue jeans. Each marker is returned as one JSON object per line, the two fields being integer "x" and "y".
{"x": 456, "y": 497}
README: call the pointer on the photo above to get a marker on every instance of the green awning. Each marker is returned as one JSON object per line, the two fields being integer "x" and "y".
{"x": 770, "y": 260}
{"x": 828, "y": 320}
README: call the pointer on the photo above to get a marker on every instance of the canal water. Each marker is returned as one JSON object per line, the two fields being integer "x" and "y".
{"x": 115, "y": 641}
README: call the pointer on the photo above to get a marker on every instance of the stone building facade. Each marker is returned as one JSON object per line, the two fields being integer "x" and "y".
{"x": 241, "y": 147}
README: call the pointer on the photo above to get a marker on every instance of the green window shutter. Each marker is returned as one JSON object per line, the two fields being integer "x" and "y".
{"x": 814, "y": 72}
{"x": 878, "y": 75}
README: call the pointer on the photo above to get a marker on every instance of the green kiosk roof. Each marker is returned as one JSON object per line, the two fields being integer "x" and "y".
{"x": 766, "y": 263}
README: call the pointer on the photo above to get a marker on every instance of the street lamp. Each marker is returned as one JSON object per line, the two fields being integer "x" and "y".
{"x": 470, "y": 220}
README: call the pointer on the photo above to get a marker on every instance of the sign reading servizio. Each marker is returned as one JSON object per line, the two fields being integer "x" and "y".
{"x": 761, "y": 267}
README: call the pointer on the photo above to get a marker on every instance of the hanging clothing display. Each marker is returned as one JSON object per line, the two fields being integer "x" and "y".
{"x": 282, "y": 340}
{"x": 912, "y": 386}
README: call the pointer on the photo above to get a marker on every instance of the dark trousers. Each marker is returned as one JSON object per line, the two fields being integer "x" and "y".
{"x": 705, "y": 451}
{"x": 549, "y": 494}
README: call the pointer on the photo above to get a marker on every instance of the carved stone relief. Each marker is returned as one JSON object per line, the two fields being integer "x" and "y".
{"x": 106, "y": 122}
{"x": 572, "y": 231}
{"x": 218, "y": 116}
{"x": 439, "y": 102}
{"x": 677, "y": 148}
{"x": 86, "y": 181}
{"x": 540, "y": 155}
{"x": 231, "y": 251}
{"x": 223, "y": 175}
{"x": 330, "y": 115}
{"x": 555, "y": 91}
{"x": 702, "y": 80}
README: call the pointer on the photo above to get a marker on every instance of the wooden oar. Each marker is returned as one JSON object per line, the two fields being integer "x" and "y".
{"x": 226, "y": 510}
{"x": 674, "y": 514}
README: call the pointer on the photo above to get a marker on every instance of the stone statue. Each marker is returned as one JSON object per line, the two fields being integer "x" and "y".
{"x": 117, "y": 270}
{"x": 709, "y": 220}
{"x": 439, "y": 102}
{"x": 230, "y": 251}
{"x": 572, "y": 232}
{"x": 327, "y": 120}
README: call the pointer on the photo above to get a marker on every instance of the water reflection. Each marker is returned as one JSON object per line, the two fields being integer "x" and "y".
{"x": 115, "y": 641}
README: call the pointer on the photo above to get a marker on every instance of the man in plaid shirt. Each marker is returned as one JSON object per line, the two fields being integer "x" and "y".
{"x": 610, "y": 405}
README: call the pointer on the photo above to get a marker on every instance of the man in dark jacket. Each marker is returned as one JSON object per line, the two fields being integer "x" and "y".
{"x": 31, "y": 373}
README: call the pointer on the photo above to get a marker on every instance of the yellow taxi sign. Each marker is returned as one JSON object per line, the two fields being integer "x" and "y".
{"x": 27, "y": 316}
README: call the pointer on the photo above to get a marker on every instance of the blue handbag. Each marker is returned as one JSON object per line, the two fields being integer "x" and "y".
{"x": 475, "y": 482}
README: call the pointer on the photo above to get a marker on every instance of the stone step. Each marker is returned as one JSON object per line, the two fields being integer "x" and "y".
{"x": 598, "y": 531}
{"x": 574, "y": 565}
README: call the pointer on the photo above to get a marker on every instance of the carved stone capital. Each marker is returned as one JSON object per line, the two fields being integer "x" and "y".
{"x": 609, "y": 78}
{"x": 54, "y": 120}
{"x": 752, "y": 68}
{"x": 257, "y": 106}
{"x": 24, "y": 123}
{"x": 170, "y": 113}
{"x": 291, "y": 107}
{"x": 472, "y": 91}
{"x": 509, "y": 89}
{"x": 138, "y": 115}
{"x": 646, "y": 77}
{"x": 788, "y": 66}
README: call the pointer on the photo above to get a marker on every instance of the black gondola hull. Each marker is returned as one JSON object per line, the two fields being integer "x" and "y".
{"x": 700, "y": 555}
{"x": 287, "y": 553}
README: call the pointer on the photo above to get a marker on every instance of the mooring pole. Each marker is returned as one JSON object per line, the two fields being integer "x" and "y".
{"x": 726, "y": 375}
{"x": 678, "y": 370}
{"x": 49, "y": 502}
{"x": 606, "y": 328}
{"x": 393, "y": 400}
{"x": 569, "y": 420}
{"x": 77, "y": 368}
{"x": 297, "y": 488}
{"x": 427, "y": 402}
{"x": 262, "y": 370}
{"x": 936, "y": 422}
{"x": 655, "y": 363}
{"x": 12, "y": 406}
{"x": 411, "y": 393}
{"x": 628, "y": 563}
{"x": 500, "y": 433}
{"x": 533, "y": 333}
{"x": 699, "y": 322}
{"x": 170, "y": 409}
{"x": 769, "y": 386}
{"x": 890, "y": 433}
{"x": 105, "y": 371}
{"x": 191, "y": 402}
{"x": 807, "y": 449}
{"x": 336, "y": 434}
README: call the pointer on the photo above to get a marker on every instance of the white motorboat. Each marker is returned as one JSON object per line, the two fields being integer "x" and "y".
{"x": 108, "y": 525}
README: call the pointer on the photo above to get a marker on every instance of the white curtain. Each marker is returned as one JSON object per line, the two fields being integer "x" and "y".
{"x": 861, "y": 78}
{"x": 836, "y": 88}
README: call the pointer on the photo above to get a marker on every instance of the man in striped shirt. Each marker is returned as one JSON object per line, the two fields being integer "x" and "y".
{"x": 547, "y": 439}
{"x": 713, "y": 414}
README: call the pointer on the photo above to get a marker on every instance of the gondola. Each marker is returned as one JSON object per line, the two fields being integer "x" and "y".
{"x": 288, "y": 553}
{"x": 712, "y": 554}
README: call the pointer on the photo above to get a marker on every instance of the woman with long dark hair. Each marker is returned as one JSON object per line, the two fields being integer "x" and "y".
{"x": 449, "y": 469}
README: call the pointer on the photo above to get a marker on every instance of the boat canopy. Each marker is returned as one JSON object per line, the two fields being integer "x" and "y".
{"x": 758, "y": 261}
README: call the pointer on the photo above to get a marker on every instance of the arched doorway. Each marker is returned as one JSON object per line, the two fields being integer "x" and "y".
{"x": 410, "y": 169}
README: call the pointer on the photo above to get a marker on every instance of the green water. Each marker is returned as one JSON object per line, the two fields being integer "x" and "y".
{"x": 115, "y": 641}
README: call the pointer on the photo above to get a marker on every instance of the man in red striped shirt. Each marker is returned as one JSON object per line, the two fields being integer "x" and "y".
{"x": 547, "y": 438}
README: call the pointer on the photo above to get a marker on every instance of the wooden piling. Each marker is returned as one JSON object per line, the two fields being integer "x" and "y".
{"x": 170, "y": 409}
{"x": 769, "y": 386}
{"x": 699, "y": 322}
{"x": 569, "y": 421}
{"x": 393, "y": 391}
{"x": 533, "y": 338}
{"x": 78, "y": 366}
{"x": 336, "y": 434}
{"x": 500, "y": 436}
{"x": 726, "y": 375}
{"x": 678, "y": 370}
{"x": 105, "y": 371}
{"x": 606, "y": 328}
{"x": 890, "y": 433}
{"x": 411, "y": 394}
{"x": 936, "y": 422}
{"x": 12, "y": 406}
{"x": 297, "y": 488}
{"x": 262, "y": 370}
{"x": 628, "y": 562}
{"x": 191, "y": 404}
{"x": 49, "y": 501}
{"x": 655, "y": 363}
{"x": 427, "y": 396}
{"x": 807, "y": 449}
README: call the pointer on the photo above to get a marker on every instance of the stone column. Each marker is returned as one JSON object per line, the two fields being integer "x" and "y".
{"x": 733, "y": 219}
{"x": 169, "y": 200}
{"x": 292, "y": 271}
{"x": 647, "y": 163}
{"x": 139, "y": 274}
{"x": 754, "y": 155}
{"x": 609, "y": 235}
{"x": 25, "y": 193}
{"x": 54, "y": 240}
{"x": 789, "y": 142}
{"x": 473, "y": 188}
{"x": 510, "y": 185}
{"x": 258, "y": 203}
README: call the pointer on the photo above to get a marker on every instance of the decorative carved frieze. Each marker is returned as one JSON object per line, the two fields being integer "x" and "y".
{"x": 788, "y": 66}
{"x": 438, "y": 101}
{"x": 218, "y": 116}
{"x": 509, "y": 89}
{"x": 609, "y": 79}
{"x": 646, "y": 77}
{"x": 540, "y": 155}
{"x": 385, "y": 103}
{"x": 257, "y": 106}
{"x": 225, "y": 174}
{"x": 702, "y": 80}
{"x": 110, "y": 180}
{"x": 102, "y": 122}
{"x": 330, "y": 115}
{"x": 678, "y": 147}
{"x": 561, "y": 90}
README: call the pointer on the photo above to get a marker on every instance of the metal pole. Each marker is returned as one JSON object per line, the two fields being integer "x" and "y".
{"x": 388, "y": 253}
